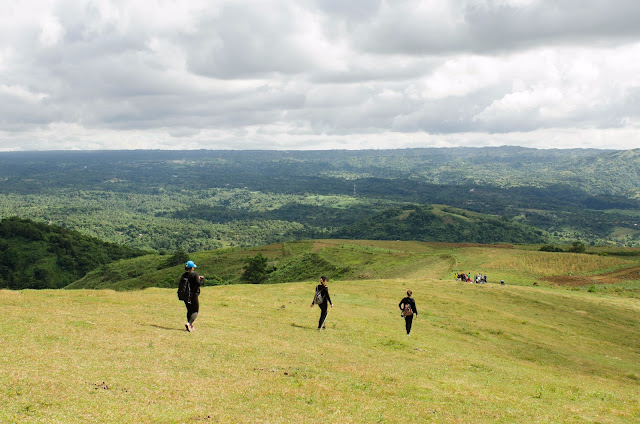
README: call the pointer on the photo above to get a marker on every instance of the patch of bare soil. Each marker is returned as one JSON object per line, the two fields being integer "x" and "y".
{"x": 319, "y": 245}
{"x": 608, "y": 278}
{"x": 445, "y": 244}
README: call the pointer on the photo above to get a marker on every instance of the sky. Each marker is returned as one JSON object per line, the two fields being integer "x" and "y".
{"x": 318, "y": 74}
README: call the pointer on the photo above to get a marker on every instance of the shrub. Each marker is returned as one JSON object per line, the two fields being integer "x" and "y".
{"x": 577, "y": 247}
{"x": 255, "y": 270}
{"x": 551, "y": 248}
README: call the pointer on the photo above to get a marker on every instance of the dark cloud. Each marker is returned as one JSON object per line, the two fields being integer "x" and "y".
{"x": 242, "y": 42}
{"x": 577, "y": 22}
{"x": 496, "y": 27}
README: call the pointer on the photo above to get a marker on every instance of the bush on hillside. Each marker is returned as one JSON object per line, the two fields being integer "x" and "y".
{"x": 179, "y": 257}
{"x": 577, "y": 247}
{"x": 256, "y": 270}
{"x": 551, "y": 248}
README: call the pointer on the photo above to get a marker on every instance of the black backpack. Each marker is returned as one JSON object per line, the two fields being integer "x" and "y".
{"x": 184, "y": 289}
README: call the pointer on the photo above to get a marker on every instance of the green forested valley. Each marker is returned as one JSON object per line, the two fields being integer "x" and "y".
{"x": 165, "y": 201}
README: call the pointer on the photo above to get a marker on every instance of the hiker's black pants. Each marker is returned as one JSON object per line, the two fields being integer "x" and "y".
{"x": 407, "y": 323}
{"x": 193, "y": 308}
{"x": 323, "y": 314}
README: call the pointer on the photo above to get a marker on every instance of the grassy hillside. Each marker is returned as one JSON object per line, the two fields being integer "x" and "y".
{"x": 604, "y": 270}
{"x": 478, "y": 354}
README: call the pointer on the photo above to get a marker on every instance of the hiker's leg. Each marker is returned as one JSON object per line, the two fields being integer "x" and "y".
{"x": 188, "y": 306}
{"x": 323, "y": 314}
{"x": 193, "y": 311}
{"x": 407, "y": 322}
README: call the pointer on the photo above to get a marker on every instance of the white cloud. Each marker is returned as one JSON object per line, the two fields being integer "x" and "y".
{"x": 21, "y": 94}
{"x": 51, "y": 31}
{"x": 461, "y": 76}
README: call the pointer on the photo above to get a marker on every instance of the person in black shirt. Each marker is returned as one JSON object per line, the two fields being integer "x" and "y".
{"x": 193, "y": 303}
{"x": 322, "y": 299}
{"x": 408, "y": 307}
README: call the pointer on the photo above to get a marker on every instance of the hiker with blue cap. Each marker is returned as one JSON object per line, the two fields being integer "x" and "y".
{"x": 188, "y": 291}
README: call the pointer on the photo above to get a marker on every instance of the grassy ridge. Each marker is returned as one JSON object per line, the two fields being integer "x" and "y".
{"x": 365, "y": 260}
{"x": 481, "y": 354}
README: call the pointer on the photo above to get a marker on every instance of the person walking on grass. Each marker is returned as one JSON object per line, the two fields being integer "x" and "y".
{"x": 408, "y": 307}
{"x": 322, "y": 299}
{"x": 192, "y": 301}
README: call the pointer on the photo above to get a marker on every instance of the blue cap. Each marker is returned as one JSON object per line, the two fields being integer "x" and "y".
{"x": 190, "y": 264}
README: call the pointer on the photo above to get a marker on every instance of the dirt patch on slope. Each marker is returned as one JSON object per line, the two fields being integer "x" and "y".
{"x": 445, "y": 244}
{"x": 626, "y": 274}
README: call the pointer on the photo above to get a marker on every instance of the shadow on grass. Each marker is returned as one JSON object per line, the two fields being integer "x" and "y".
{"x": 164, "y": 328}
{"x": 304, "y": 327}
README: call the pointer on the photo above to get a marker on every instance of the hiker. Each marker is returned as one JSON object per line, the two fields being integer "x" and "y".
{"x": 192, "y": 303}
{"x": 408, "y": 307}
{"x": 321, "y": 299}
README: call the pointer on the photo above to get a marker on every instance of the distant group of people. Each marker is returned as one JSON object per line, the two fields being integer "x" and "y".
{"x": 321, "y": 298}
{"x": 477, "y": 278}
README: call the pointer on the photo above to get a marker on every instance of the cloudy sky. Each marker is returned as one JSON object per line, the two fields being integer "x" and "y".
{"x": 318, "y": 74}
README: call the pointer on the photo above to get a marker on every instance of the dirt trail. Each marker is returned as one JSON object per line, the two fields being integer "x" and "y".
{"x": 625, "y": 274}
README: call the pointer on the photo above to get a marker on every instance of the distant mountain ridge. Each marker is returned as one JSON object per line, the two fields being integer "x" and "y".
{"x": 615, "y": 172}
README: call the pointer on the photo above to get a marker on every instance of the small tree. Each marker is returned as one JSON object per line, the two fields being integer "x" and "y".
{"x": 577, "y": 247}
{"x": 255, "y": 270}
{"x": 179, "y": 257}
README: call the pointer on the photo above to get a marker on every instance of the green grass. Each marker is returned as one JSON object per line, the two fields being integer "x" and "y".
{"x": 478, "y": 354}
